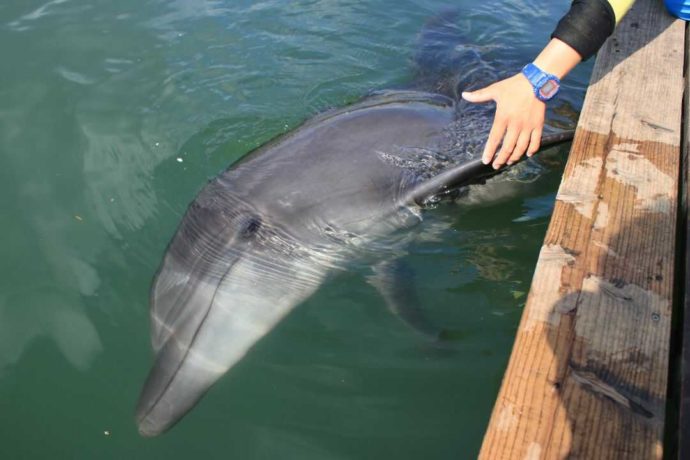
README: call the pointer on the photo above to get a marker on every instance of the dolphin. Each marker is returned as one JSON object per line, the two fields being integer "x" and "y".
{"x": 262, "y": 236}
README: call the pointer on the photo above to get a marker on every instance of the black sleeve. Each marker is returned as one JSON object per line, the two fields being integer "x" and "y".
{"x": 586, "y": 26}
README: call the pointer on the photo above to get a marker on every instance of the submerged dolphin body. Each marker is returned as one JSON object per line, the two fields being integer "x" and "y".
{"x": 262, "y": 236}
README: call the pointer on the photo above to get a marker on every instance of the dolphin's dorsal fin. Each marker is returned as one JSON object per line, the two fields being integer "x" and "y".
{"x": 469, "y": 173}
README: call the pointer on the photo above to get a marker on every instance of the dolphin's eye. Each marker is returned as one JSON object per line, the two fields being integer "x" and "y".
{"x": 249, "y": 226}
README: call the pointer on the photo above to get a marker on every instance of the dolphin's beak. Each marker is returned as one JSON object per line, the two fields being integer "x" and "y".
{"x": 208, "y": 308}
{"x": 182, "y": 299}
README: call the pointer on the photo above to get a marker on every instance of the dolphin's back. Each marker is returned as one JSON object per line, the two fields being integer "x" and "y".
{"x": 348, "y": 161}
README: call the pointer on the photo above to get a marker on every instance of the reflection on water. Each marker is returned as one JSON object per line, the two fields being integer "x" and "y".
{"x": 44, "y": 312}
{"x": 114, "y": 114}
{"x": 43, "y": 10}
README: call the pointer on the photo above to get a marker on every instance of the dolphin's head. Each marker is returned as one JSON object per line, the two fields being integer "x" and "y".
{"x": 228, "y": 276}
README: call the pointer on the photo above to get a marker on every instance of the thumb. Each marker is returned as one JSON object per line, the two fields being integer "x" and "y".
{"x": 480, "y": 95}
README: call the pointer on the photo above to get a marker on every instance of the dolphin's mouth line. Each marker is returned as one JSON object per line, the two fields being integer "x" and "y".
{"x": 153, "y": 405}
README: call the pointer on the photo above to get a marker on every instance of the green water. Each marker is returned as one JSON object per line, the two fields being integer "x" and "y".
{"x": 112, "y": 117}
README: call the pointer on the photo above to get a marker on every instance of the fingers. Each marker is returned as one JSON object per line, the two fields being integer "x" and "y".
{"x": 507, "y": 148}
{"x": 517, "y": 123}
{"x": 495, "y": 135}
{"x": 535, "y": 142}
{"x": 499, "y": 127}
{"x": 528, "y": 141}
{"x": 480, "y": 95}
{"x": 520, "y": 147}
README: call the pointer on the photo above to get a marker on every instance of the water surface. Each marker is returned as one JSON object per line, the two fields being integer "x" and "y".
{"x": 114, "y": 114}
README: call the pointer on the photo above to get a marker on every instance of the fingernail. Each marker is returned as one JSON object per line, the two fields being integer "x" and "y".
{"x": 509, "y": 163}
{"x": 485, "y": 161}
{"x": 496, "y": 166}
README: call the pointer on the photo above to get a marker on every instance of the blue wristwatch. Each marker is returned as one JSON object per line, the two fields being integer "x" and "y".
{"x": 545, "y": 85}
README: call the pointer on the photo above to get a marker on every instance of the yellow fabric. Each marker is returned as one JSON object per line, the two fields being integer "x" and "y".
{"x": 620, "y": 7}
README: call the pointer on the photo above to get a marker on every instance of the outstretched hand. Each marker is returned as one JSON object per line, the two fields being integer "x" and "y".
{"x": 518, "y": 122}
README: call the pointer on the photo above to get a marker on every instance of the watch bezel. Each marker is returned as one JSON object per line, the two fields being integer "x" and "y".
{"x": 549, "y": 93}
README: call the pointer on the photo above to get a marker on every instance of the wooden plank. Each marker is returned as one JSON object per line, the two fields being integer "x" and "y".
{"x": 684, "y": 422}
{"x": 587, "y": 376}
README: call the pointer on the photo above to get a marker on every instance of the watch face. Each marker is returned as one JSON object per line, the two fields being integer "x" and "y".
{"x": 548, "y": 89}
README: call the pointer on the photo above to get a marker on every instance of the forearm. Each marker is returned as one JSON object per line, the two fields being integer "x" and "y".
{"x": 558, "y": 58}
{"x": 588, "y": 24}
{"x": 580, "y": 33}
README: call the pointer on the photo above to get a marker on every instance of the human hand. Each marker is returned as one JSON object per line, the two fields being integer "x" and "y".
{"x": 518, "y": 122}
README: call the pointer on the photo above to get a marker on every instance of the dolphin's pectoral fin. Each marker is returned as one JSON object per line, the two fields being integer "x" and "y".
{"x": 469, "y": 173}
{"x": 394, "y": 280}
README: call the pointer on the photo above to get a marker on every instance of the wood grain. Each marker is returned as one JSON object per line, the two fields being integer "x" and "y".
{"x": 588, "y": 373}
{"x": 684, "y": 422}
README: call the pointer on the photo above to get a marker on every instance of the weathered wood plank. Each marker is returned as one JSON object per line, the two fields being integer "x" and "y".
{"x": 684, "y": 423}
{"x": 588, "y": 374}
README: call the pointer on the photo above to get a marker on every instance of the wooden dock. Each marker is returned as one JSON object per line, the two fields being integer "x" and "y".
{"x": 589, "y": 371}
{"x": 684, "y": 418}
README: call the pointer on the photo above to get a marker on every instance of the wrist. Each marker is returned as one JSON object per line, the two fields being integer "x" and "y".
{"x": 544, "y": 85}
{"x": 557, "y": 58}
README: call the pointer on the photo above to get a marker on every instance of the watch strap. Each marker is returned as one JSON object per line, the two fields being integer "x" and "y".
{"x": 538, "y": 78}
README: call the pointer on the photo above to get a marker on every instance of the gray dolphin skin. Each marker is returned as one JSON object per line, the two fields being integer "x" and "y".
{"x": 262, "y": 237}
